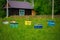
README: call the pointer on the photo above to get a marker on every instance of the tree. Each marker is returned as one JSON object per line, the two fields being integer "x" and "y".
{"x": 57, "y": 7}
{"x": 2, "y": 12}
{"x": 43, "y": 6}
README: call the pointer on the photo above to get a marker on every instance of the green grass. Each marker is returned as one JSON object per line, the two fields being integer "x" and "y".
{"x": 26, "y": 32}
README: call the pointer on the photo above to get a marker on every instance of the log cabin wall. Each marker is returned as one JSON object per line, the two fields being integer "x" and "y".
{"x": 28, "y": 12}
{"x": 13, "y": 11}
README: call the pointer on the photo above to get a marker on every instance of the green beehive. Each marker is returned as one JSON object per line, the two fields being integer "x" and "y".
{"x": 13, "y": 25}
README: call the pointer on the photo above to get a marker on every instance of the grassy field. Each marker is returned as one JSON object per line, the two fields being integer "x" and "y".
{"x": 27, "y": 32}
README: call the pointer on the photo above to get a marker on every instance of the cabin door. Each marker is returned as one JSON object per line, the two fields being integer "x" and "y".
{"x": 21, "y": 12}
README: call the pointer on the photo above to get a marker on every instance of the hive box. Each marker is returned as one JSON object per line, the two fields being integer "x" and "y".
{"x": 38, "y": 26}
{"x": 13, "y": 25}
{"x": 27, "y": 22}
{"x": 51, "y": 23}
{"x": 5, "y": 22}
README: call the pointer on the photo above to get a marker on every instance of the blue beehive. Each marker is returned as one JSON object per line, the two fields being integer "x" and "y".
{"x": 38, "y": 26}
{"x": 51, "y": 23}
{"x": 13, "y": 25}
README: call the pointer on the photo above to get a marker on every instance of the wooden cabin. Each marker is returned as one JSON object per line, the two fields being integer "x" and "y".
{"x": 19, "y": 8}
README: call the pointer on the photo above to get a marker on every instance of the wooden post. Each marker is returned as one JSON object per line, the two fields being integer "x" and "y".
{"x": 52, "y": 9}
{"x": 7, "y": 10}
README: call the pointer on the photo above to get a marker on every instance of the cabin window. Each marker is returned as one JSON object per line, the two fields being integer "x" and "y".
{"x": 21, "y": 12}
{"x": 28, "y": 12}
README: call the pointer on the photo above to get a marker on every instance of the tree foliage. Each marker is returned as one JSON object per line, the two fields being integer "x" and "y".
{"x": 2, "y": 12}
{"x": 57, "y": 7}
{"x": 43, "y": 6}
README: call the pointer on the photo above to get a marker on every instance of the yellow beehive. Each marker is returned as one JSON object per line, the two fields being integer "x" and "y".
{"x": 27, "y": 22}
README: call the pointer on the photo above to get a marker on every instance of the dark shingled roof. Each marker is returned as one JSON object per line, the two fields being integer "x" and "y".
{"x": 19, "y": 4}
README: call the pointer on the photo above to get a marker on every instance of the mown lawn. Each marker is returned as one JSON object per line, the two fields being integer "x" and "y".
{"x": 27, "y": 32}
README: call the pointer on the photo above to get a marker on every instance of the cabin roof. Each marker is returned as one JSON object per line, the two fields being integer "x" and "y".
{"x": 19, "y": 4}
